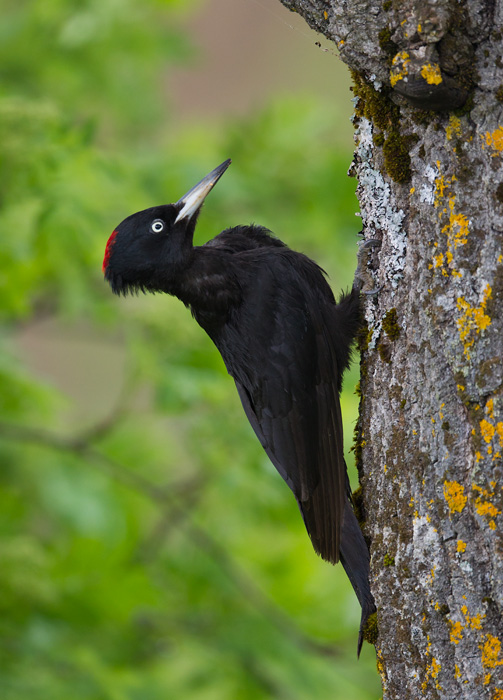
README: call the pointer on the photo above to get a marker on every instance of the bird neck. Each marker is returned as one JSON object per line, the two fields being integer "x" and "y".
{"x": 209, "y": 286}
{"x": 170, "y": 266}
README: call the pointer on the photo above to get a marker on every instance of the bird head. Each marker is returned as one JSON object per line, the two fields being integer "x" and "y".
{"x": 149, "y": 249}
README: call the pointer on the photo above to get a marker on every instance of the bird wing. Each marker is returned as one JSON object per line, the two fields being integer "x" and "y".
{"x": 286, "y": 374}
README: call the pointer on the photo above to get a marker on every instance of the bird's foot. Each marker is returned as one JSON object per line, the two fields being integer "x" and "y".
{"x": 363, "y": 281}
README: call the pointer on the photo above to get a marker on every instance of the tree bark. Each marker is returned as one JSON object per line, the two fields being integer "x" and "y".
{"x": 428, "y": 82}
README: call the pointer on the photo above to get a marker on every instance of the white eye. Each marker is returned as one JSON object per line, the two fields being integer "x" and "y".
{"x": 157, "y": 226}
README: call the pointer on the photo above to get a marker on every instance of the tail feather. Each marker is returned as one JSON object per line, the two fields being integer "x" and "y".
{"x": 320, "y": 513}
{"x": 353, "y": 552}
{"x": 355, "y": 558}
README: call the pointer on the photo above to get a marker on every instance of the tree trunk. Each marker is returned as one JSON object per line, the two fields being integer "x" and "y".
{"x": 428, "y": 78}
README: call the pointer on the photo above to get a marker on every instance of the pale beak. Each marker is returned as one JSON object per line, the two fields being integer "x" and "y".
{"x": 194, "y": 198}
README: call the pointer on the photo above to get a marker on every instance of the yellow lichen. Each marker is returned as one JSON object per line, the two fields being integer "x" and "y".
{"x": 399, "y": 67}
{"x": 490, "y": 408}
{"x": 453, "y": 128}
{"x": 440, "y": 186}
{"x": 473, "y": 621}
{"x": 487, "y": 430}
{"x": 476, "y": 622}
{"x": 486, "y": 508}
{"x": 431, "y": 73}
{"x": 461, "y": 546}
{"x": 382, "y": 670}
{"x": 473, "y": 320}
{"x": 494, "y": 139}
{"x": 456, "y": 633}
{"x": 457, "y": 671}
{"x": 432, "y": 671}
{"x": 483, "y": 505}
{"x": 491, "y": 652}
{"x": 454, "y": 494}
{"x": 498, "y": 694}
{"x": 457, "y": 228}
{"x": 325, "y": 14}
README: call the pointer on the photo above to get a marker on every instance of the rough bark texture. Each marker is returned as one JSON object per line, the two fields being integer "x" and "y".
{"x": 428, "y": 78}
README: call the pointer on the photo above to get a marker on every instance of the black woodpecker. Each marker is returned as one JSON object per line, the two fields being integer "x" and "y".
{"x": 284, "y": 340}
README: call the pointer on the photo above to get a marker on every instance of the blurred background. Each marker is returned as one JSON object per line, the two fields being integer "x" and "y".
{"x": 148, "y": 549}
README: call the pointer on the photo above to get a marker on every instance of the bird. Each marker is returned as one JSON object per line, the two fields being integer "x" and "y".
{"x": 284, "y": 340}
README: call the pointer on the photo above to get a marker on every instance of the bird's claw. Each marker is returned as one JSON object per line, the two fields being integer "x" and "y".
{"x": 371, "y": 243}
{"x": 363, "y": 281}
{"x": 371, "y": 292}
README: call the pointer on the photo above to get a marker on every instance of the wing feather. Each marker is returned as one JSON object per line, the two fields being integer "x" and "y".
{"x": 288, "y": 385}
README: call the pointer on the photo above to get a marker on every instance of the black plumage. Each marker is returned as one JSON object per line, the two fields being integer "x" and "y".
{"x": 284, "y": 340}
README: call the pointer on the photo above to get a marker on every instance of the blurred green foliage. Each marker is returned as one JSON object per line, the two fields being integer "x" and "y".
{"x": 148, "y": 549}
